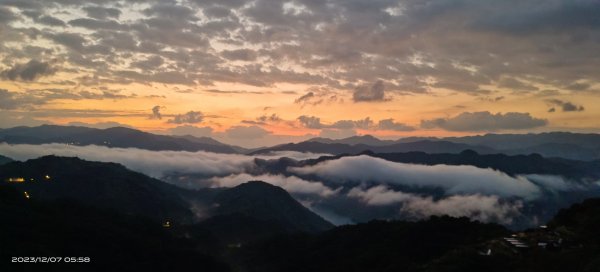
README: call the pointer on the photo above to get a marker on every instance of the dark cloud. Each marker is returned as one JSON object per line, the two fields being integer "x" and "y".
{"x": 366, "y": 123}
{"x": 305, "y": 97}
{"x": 485, "y": 121}
{"x": 191, "y": 117}
{"x": 366, "y": 93}
{"x": 156, "y": 113}
{"x": 28, "y": 71}
{"x": 10, "y": 100}
{"x": 95, "y": 24}
{"x": 216, "y": 11}
{"x": 318, "y": 95}
{"x": 6, "y": 15}
{"x": 515, "y": 84}
{"x": 102, "y": 13}
{"x": 566, "y": 106}
{"x": 348, "y": 127}
{"x": 70, "y": 40}
{"x": 49, "y": 20}
{"x": 240, "y": 54}
{"x": 578, "y": 86}
{"x": 170, "y": 10}
{"x": 269, "y": 118}
{"x": 412, "y": 46}
{"x": 310, "y": 122}
{"x": 389, "y": 124}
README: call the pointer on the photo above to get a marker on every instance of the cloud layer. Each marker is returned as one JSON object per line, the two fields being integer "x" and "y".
{"x": 453, "y": 179}
{"x": 354, "y": 189}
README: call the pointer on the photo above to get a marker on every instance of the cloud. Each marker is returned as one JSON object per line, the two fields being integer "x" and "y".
{"x": 477, "y": 207}
{"x": 153, "y": 163}
{"x": 49, "y": 20}
{"x": 102, "y": 13}
{"x": 269, "y": 118}
{"x": 310, "y": 122}
{"x": 14, "y": 120}
{"x": 6, "y": 15}
{"x": 291, "y": 184}
{"x": 156, "y": 113}
{"x": 355, "y": 188}
{"x": 365, "y": 93}
{"x": 28, "y": 71}
{"x": 566, "y": 106}
{"x": 191, "y": 117}
{"x": 350, "y": 124}
{"x": 452, "y": 179}
{"x": 379, "y": 195}
{"x": 239, "y": 54}
{"x": 292, "y": 155}
{"x": 316, "y": 96}
{"x": 192, "y": 130}
{"x": 304, "y": 98}
{"x": 515, "y": 84}
{"x": 485, "y": 121}
{"x": 460, "y": 46}
{"x": 156, "y": 164}
{"x": 246, "y": 132}
{"x": 389, "y": 124}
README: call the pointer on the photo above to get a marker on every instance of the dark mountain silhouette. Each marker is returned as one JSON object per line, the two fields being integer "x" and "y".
{"x": 115, "y": 216}
{"x": 570, "y": 242}
{"x": 112, "y": 186}
{"x": 354, "y": 140}
{"x": 516, "y": 141}
{"x": 103, "y": 185}
{"x": 4, "y": 160}
{"x": 338, "y": 148}
{"x": 269, "y": 203}
{"x": 211, "y": 141}
{"x": 111, "y": 137}
{"x": 67, "y": 228}
{"x": 373, "y": 246}
{"x": 559, "y": 150}
{"x": 576, "y": 146}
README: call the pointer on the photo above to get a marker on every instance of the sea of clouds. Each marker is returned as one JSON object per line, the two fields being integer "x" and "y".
{"x": 342, "y": 189}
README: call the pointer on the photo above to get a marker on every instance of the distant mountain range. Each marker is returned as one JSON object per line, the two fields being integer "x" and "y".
{"x": 112, "y": 186}
{"x": 340, "y": 148}
{"x": 553, "y": 144}
{"x": 112, "y": 137}
{"x": 509, "y": 164}
{"x": 567, "y": 145}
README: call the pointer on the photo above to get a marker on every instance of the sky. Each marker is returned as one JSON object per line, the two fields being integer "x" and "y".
{"x": 264, "y": 72}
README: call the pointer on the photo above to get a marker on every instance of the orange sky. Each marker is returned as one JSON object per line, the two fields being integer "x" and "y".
{"x": 227, "y": 65}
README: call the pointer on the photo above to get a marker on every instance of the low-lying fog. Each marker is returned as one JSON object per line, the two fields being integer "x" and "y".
{"x": 352, "y": 189}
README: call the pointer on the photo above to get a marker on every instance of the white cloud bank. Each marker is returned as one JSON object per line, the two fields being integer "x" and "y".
{"x": 291, "y": 184}
{"x": 478, "y": 207}
{"x": 453, "y": 179}
{"x": 153, "y": 163}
